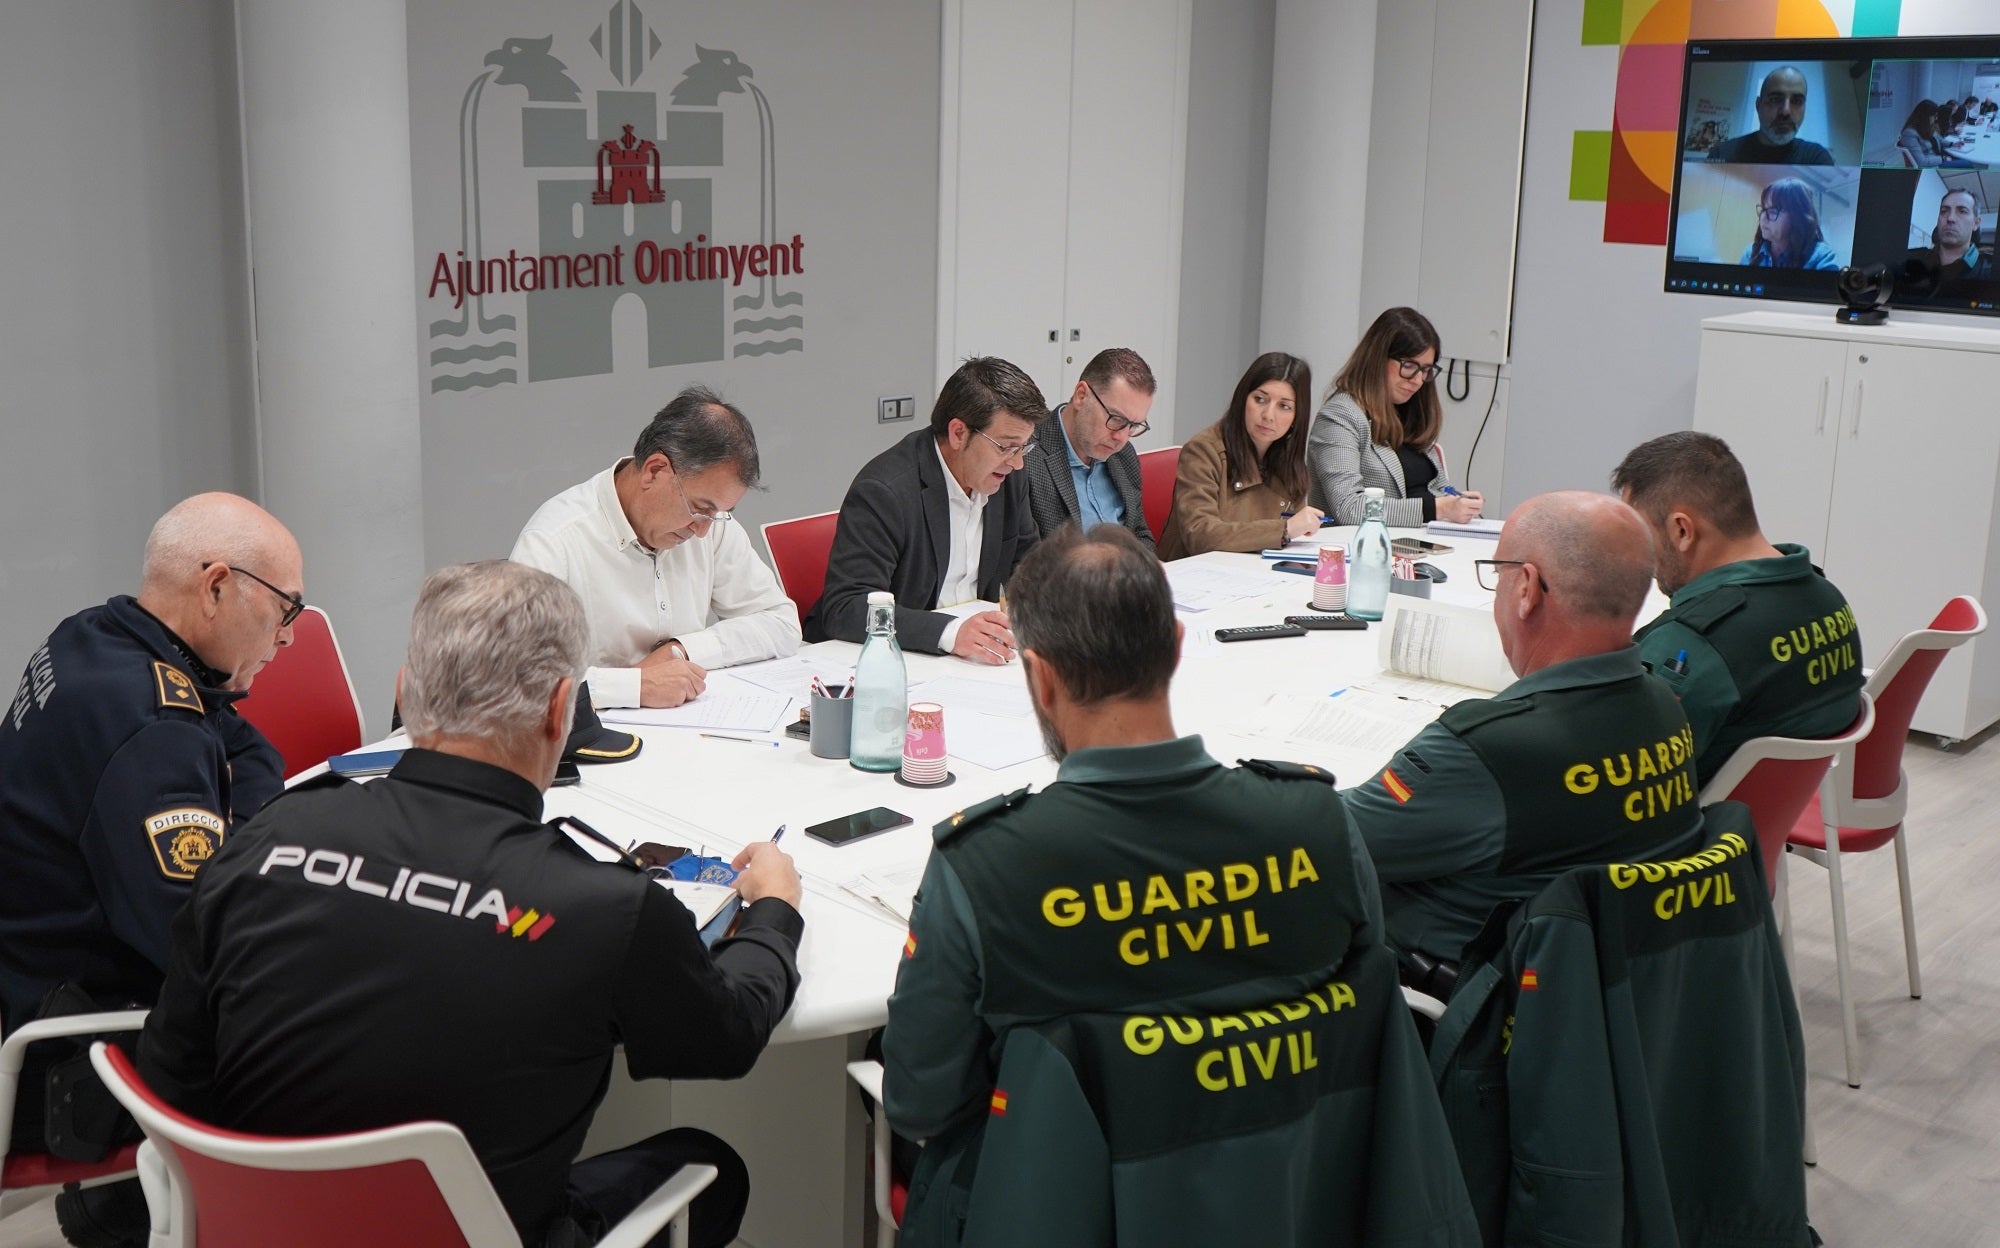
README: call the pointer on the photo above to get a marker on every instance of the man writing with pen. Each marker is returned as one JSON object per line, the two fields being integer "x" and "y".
{"x": 940, "y": 519}
{"x": 424, "y": 947}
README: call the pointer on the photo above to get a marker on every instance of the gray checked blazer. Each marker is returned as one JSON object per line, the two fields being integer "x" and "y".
{"x": 1344, "y": 458}
{"x": 1052, "y": 491}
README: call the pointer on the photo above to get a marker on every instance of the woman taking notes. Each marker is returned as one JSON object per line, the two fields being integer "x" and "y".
{"x": 1241, "y": 483}
{"x": 1380, "y": 425}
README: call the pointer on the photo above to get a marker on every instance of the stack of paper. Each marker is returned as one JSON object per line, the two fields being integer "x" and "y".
{"x": 1480, "y": 527}
{"x": 1452, "y": 651}
{"x": 727, "y": 705}
{"x": 1202, "y": 586}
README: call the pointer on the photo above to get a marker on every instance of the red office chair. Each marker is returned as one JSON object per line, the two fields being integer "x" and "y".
{"x": 416, "y": 1185}
{"x": 799, "y": 549}
{"x": 304, "y": 699}
{"x": 20, "y": 1170}
{"x": 1776, "y": 777}
{"x": 1860, "y": 806}
{"x": 1156, "y": 485}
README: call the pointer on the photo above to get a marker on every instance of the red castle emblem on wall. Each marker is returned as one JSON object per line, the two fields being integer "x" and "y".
{"x": 627, "y": 159}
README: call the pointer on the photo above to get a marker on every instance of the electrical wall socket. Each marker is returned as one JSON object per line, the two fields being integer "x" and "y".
{"x": 888, "y": 411}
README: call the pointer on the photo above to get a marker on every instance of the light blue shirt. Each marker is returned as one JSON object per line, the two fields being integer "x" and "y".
{"x": 1097, "y": 500}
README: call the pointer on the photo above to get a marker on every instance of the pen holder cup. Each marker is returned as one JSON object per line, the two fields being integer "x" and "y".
{"x": 1420, "y": 587}
{"x": 832, "y": 725}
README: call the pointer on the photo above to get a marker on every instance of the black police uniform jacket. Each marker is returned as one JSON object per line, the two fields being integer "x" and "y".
{"x": 123, "y": 769}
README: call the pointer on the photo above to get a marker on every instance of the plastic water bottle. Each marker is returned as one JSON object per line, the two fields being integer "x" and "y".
{"x": 1368, "y": 562}
{"x": 881, "y": 692}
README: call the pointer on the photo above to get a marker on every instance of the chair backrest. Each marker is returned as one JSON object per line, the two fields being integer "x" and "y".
{"x": 304, "y": 699}
{"x": 413, "y": 1185}
{"x": 22, "y": 1169}
{"x": 799, "y": 550}
{"x": 1156, "y": 485}
{"x": 1898, "y": 684}
{"x": 1108, "y": 1128}
{"x": 1776, "y": 776}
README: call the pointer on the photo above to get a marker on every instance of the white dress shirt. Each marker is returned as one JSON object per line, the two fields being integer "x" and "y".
{"x": 968, "y": 534}
{"x": 636, "y": 598}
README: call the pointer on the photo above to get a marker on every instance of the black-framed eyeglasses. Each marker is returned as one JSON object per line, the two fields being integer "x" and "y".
{"x": 293, "y": 602}
{"x": 1112, "y": 420}
{"x": 1020, "y": 452}
{"x": 1487, "y": 572}
{"x": 1410, "y": 368}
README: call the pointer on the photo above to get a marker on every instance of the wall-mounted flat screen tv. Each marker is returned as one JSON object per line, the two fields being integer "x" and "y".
{"x": 1798, "y": 157}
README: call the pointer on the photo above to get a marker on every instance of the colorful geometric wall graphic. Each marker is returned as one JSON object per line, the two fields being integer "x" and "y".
{"x": 1631, "y": 168}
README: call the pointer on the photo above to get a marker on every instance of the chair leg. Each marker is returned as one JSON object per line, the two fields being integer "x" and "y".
{"x": 1909, "y": 914}
{"x": 1848, "y": 1031}
{"x": 1810, "y": 1153}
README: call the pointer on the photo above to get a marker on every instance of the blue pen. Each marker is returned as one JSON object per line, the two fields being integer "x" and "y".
{"x": 1680, "y": 664}
{"x": 779, "y": 834}
{"x": 1445, "y": 489}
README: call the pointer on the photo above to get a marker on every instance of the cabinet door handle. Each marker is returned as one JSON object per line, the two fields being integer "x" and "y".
{"x": 1856, "y": 431}
{"x": 1825, "y": 383}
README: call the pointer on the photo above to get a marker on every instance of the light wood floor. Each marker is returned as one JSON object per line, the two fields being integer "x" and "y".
{"x": 1911, "y": 1159}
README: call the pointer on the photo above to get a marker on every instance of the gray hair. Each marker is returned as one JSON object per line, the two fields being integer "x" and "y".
{"x": 487, "y": 644}
{"x": 697, "y": 431}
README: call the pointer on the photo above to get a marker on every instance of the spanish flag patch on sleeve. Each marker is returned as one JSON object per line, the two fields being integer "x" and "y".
{"x": 1394, "y": 783}
{"x": 1529, "y": 980}
{"x": 999, "y": 1103}
{"x": 910, "y": 945}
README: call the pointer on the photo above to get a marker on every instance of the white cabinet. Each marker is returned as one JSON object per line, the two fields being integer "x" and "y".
{"x": 1061, "y": 166}
{"x": 1878, "y": 448}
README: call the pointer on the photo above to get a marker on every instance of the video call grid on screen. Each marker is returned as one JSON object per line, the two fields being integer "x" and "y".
{"x": 1800, "y": 157}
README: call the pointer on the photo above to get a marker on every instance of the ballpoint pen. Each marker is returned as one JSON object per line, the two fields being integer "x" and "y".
{"x": 721, "y": 736}
{"x": 779, "y": 834}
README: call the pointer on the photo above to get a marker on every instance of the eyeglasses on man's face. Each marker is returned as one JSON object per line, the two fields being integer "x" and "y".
{"x": 1112, "y": 420}
{"x": 1487, "y": 572}
{"x": 294, "y": 603}
{"x": 1019, "y": 451}
{"x": 1410, "y": 368}
{"x": 694, "y": 516}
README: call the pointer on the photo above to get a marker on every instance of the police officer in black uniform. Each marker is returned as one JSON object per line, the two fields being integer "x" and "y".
{"x": 124, "y": 767}
{"x": 422, "y": 947}
{"x": 1585, "y": 759}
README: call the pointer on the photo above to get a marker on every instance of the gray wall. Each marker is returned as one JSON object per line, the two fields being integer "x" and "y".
{"x": 1222, "y": 247}
{"x": 853, "y": 91}
{"x": 123, "y": 322}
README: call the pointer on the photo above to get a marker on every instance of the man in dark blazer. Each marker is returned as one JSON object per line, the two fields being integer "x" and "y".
{"x": 940, "y": 518}
{"x": 1084, "y": 470}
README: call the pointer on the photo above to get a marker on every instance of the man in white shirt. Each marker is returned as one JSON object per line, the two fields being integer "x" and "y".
{"x": 649, "y": 547}
{"x": 940, "y": 519}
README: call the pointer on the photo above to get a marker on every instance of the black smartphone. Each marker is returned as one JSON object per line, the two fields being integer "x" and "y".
{"x": 1293, "y": 565}
{"x": 799, "y": 729}
{"x": 1417, "y": 547}
{"x": 860, "y": 824}
{"x": 566, "y": 773}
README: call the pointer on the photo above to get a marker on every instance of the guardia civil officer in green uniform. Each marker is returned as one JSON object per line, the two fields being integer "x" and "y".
{"x": 1148, "y": 879}
{"x": 1585, "y": 759}
{"x": 1755, "y": 641}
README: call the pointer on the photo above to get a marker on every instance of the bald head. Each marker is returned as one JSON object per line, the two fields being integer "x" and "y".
{"x": 1594, "y": 551}
{"x": 190, "y": 581}
{"x": 214, "y": 528}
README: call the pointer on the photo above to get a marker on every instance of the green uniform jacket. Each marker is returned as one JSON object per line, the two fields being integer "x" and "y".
{"x": 1146, "y": 895}
{"x": 1758, "y": 648}
{"x": 1621, "y": 1063}
{"x": 1583, "y": 762}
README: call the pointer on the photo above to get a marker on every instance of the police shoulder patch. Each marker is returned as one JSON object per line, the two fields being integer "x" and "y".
{"x": 1272, "y": 769}
{"x": 175, "y": 688}
{"x": 964, "y": 819}
{"x": 183, "y": 838}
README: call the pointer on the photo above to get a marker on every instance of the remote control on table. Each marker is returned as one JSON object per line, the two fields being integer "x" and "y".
{"x": 1320, "y": 622}
{"x": 1260, "y": 632}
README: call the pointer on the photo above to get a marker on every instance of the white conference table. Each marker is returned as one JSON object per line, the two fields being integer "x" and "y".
{"x": 796, "y": 1120}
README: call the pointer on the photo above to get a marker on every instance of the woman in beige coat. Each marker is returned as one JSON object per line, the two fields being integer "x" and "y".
{"x": 1241, "y": 483}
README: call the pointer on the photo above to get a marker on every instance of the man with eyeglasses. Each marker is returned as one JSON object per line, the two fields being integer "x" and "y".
{"x": 940, "y": 519}
{"x": 1084, "y": 470}
{"x": 649, "y": 547}
{"x": 124, "y": 766}
{"x": 1585, "y": 759}
{"x": 1781, "y": 110}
